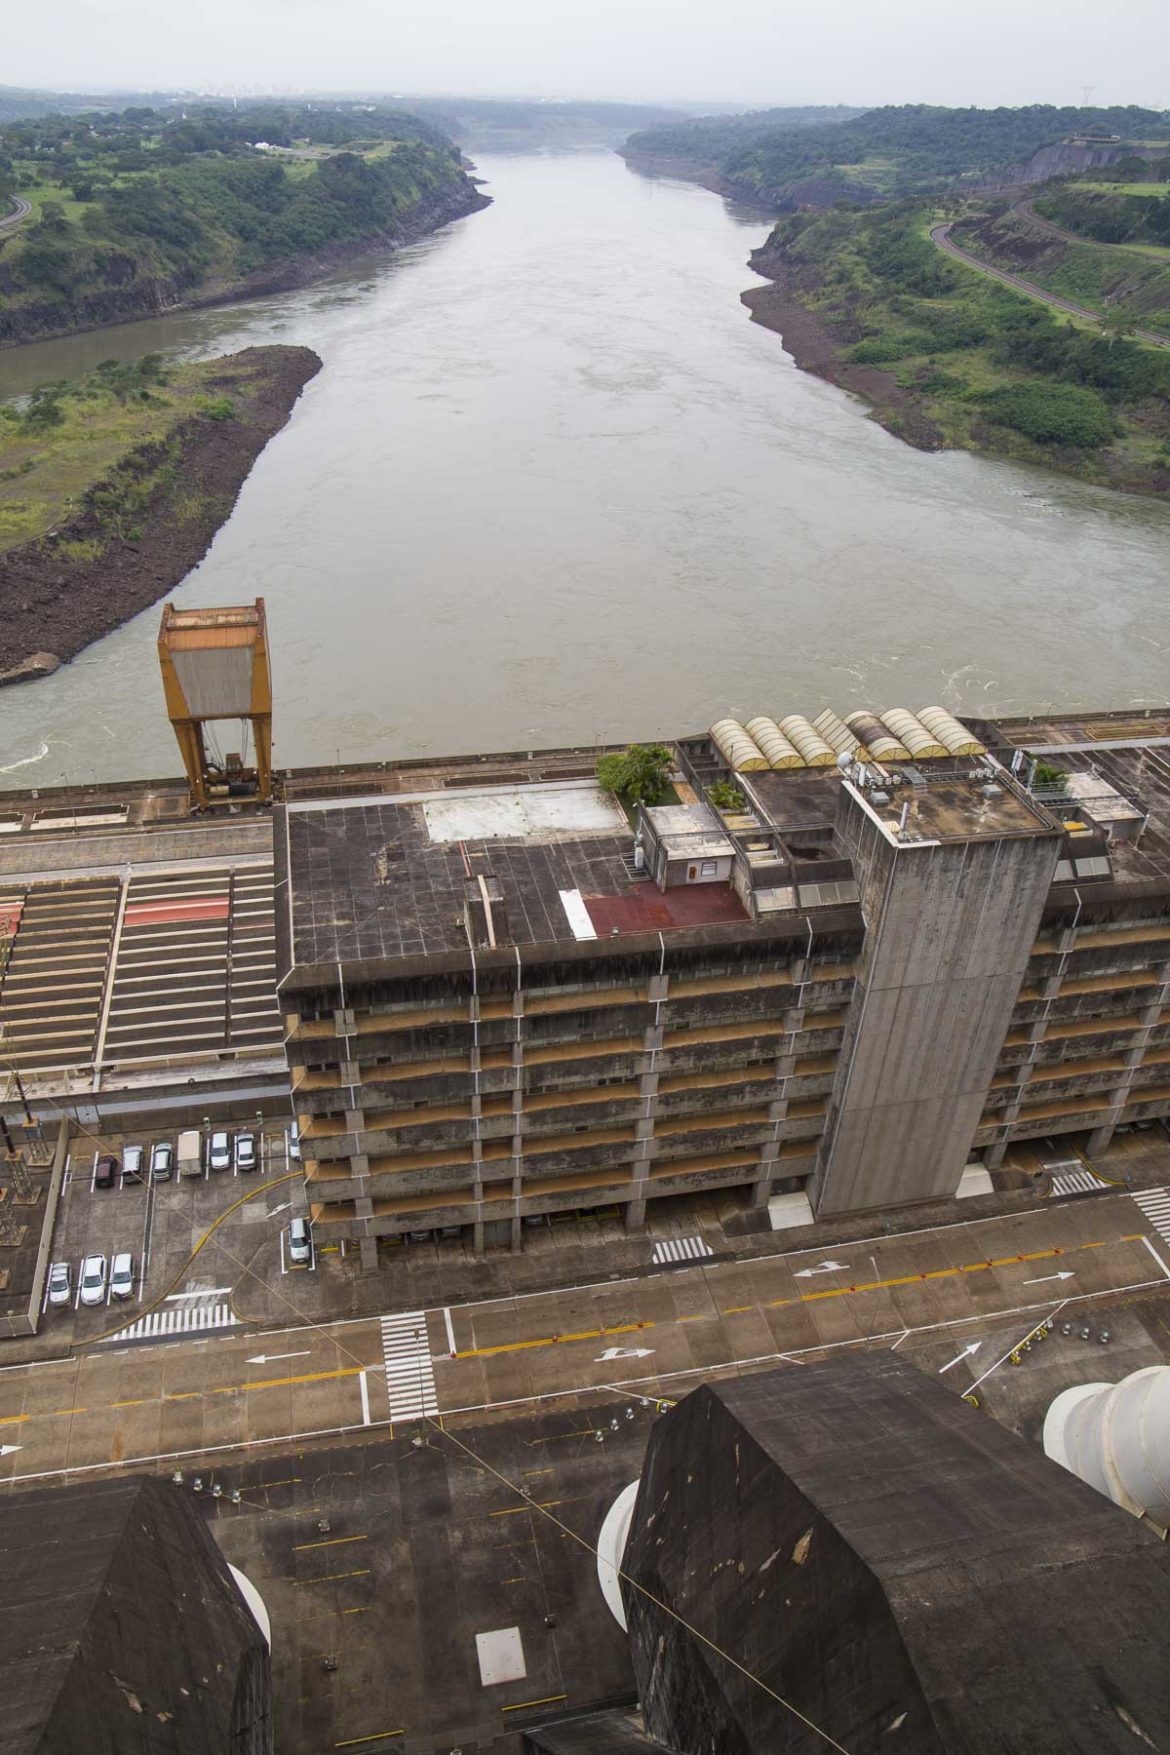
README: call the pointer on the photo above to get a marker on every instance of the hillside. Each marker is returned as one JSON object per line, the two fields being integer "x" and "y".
{"x": 883, "y": 153}
{"x": 521, "y": 125}
{"x": 17, "y": 102}
{"x": 112, "y": 487}
{"x": 949, "y": 358}
{"x": 140, "y": 212}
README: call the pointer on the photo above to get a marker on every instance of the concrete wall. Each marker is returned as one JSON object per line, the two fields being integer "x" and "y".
{"x": 950, "y": 930}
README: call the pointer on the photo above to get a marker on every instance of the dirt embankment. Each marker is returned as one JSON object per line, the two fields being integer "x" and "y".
{"x": 819, "y": 350}
{"x": 43, "y": 319}
{"x": 141, "y": 529}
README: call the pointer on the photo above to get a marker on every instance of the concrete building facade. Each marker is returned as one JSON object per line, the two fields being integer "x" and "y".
{"x": 503, "y": 1001}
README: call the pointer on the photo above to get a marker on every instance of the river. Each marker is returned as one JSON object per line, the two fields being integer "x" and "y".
{"x": 552, "y": 485}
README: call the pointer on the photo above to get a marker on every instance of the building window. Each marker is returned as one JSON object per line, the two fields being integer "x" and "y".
{"x": 708, "y": 868}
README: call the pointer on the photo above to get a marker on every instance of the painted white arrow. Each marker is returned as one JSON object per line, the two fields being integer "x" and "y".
{"x": 612, "y": 1353}
{"x": 268, "y": 1358}
{"x": 971, "y": 1347}
{"x": 282, "y": 1208}
{"x": 1065, "y": 1274}
{"x": 826, "y": 1267}
{"x": 10, "y": 1449}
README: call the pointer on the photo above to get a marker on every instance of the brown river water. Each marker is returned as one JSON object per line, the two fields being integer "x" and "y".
{"x": 552, "y": 485}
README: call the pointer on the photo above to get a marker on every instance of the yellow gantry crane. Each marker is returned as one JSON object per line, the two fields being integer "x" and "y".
{"x": 215, "y": 667}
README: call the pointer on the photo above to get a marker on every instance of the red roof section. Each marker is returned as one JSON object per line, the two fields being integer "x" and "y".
{"x": 646, "y": 908}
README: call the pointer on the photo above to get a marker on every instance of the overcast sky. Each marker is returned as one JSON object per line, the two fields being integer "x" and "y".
{"x": 753, "y": 52}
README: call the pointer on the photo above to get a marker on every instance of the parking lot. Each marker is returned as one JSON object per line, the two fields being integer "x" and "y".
{"x": 161, "y": 1225}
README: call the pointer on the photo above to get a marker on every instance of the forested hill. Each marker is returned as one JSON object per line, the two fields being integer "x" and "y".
{"x": 139, "y": 212}
{"x": 897, "y": 150}
{"x": 709, "y": 140}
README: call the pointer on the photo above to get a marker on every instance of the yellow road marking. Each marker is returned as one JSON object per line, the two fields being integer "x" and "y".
{"x": 375, "y": 1737}
{"x": 587, "y": 1334}
{"x": 13, "y": 1419}
{"x": 330, "y": 1577}
{"x": 330, "y": 1542}
{"x": 366, "y": 1610}
{"x": 511, "y": 1510}
{"x": 523, "y": 1705}
{"x": 737, "y": 1309}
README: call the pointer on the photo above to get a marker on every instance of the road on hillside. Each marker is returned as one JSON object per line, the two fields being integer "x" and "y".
{"x": 1025, "y": 210}
{"x": 20, "y": 210}
{"x": 958, "y": 1298}
{"x": 940, "y": 237}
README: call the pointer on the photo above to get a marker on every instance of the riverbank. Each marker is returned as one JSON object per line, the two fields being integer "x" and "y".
{"x": 149, "y": 517}
{"x": 157, "y": 295}
{"x": 950, "y": 359}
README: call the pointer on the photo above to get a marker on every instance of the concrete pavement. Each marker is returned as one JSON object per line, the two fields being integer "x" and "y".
{"x": 651, "y": 1336}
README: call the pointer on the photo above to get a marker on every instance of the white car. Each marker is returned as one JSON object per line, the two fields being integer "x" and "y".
{"x": 219, "y": 1152}
{"x": 245, "y": 1151}
{"x": 122, "y": 1276}
{"x": 133, "y": 1158}
{"x": 93, "y": 1279}
{"x": 294, "y": 1143}
{"x": 60, "y": 1283}
{"x": 300, "y": 1241}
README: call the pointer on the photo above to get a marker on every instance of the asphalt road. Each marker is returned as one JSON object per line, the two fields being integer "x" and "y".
{"x": 926, "y": 1292}
{"x": 20, "y": 210}
{"x": 940, "y": 237}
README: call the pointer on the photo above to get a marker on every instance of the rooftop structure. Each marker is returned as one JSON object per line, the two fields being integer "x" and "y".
{"x": 897, "y": 1568}
{"x": 121, "y": 1628}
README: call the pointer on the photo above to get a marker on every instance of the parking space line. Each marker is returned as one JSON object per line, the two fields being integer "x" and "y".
{"x": 364, "y": 1388}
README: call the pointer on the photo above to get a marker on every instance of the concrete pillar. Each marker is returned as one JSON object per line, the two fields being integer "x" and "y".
{"x": 635, "y": 1215}
{"x": 368, "y": 1249}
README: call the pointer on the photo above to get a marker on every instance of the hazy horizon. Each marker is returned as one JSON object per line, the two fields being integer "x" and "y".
{"x": 741, "y": 54}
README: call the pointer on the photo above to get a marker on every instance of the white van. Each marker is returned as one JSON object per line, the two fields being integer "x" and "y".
{"x": 190, "y": 1153}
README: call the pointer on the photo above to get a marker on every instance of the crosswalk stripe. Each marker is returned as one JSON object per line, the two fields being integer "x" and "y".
{"x": 169, "y": 1324}
{"x": 410, "y": 1376}
{"x": 1076, "y": 1182}
{"x": 1155, "y": 1204}
{"x": 681, "y": 1249}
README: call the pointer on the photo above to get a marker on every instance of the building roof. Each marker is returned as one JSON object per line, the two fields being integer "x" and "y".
{"x": 689, "y": 831}
{"x": 384, "y": 879}
{"x": 882, "y": 1555}
{"x": 120, "y": 1626}
{"x": 1130, "y": 754}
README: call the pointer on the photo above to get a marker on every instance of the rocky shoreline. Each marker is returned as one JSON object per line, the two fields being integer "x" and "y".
{"x": 65, "y": 590}
{"x": 817, "y": 349}
{"x": 162, "y": 296}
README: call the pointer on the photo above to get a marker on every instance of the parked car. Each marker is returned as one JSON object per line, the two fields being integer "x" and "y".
{"x": 162, "y": 1161}
{"x": 122, "y": 1275}
{"x": 294, "y": 1142}
{"x": 219, "y": 1152}
{"x": 300, "y": 1241}
{"x": 105, "y": 1171}
{"x": 246, "y": 1151}
{"x": 133, "y": 1159}
{"x": 60, "y": 1283}
{"x": 93, "y": 1279}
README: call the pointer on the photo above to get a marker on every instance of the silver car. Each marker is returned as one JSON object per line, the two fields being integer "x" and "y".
{"x": 300, "y": 1242}
{"x": 60, "y": 1283}
{"x": 93, "y": 1279}
{"x": 219, "y": 1152}
{"x": 122, "y": 1276}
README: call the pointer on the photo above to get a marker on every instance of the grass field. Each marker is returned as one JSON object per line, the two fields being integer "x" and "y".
{"x": 44, "y": 473}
